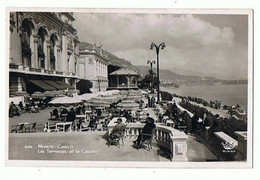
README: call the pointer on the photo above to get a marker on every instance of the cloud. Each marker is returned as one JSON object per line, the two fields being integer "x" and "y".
{"x": 191, "y": 43}
{"x": 123, "y": 31}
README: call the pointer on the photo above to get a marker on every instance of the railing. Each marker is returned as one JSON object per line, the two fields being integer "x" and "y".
{"x": 49, "y": 71}
{"x": 39, "y": 70}
{"x": 34, "y": 69}
{"x": 59, "y": 72}
{"x": 13, "y": 66}
{"x": 167, "y": 137}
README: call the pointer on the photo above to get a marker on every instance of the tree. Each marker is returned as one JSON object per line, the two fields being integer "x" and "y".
{"x": 149, "y": 81}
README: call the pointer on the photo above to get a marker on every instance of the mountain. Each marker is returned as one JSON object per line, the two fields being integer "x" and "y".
{"x": 177, "y": 76}
{"x": 168, "y": 76}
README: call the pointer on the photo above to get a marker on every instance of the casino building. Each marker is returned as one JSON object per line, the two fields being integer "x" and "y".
{"x": 93, "y": 65}
{"x": 43, "y": 52}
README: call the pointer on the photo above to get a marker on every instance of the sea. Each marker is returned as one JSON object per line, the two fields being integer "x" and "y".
{"x": 228, "y": 94}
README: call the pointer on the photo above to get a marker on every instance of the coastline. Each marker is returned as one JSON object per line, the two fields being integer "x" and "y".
{"x": 228, "y": 94}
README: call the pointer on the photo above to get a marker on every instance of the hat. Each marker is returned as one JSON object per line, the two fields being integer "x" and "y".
{"x": 119, "y": 120}
{"x": 150, "y": 119}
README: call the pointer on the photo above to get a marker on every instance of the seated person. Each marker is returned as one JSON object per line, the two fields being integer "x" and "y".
{"x": 79, "y": 110}
{"x": 117, "y": 130}
{"x": 71, "y": 115}
{"x": 55, "y": 113}
{"x": 21, "y": 105}
{"x": 63, "y": 112}
{"x": 148, "y": 128}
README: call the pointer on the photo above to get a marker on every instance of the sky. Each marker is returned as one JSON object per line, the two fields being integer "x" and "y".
{"x": 214, "y": 45}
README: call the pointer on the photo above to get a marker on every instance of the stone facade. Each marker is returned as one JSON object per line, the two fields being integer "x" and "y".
{"x": 93, "y": 66}
{"x": 42, "y": 45}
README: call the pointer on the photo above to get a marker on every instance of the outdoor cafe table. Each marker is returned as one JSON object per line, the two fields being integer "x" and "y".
{"x": 63, "y": 125}
{"x": 81, "y": 116}
{"x": 170, "y": 123}
{"x": 88, "y": 112}
{"x": 113, "y": 123}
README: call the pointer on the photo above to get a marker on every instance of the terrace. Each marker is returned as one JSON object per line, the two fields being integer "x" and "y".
{"x": 92, "y": 145}
{"x": 37, "y": 71}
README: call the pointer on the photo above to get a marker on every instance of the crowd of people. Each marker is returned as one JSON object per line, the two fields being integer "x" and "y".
{"x": 29, "y": 106}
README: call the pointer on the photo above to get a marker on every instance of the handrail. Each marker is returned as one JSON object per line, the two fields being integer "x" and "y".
{"x": 168, "y": 137}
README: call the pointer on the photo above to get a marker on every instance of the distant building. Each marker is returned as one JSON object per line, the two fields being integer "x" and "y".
{"x": 123, "y": 79}
{"x": 93, "y": 66}
{"x": 43, "y": 52}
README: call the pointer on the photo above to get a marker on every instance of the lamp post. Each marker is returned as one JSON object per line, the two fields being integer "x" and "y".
{"x": 151, "y": 64}
{"x": 161, "y": 46}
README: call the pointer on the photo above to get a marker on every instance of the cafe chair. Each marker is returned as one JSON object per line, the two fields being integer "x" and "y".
{"x": 84, "y": 126}
{"x": 31, "y": 127}
{"x": 116, "y": 137}
{"x": 99, "y": 127}
{"x": 49, "y": 127}
{"x": 146, "y": 140}
{"x": 18, "y": 128}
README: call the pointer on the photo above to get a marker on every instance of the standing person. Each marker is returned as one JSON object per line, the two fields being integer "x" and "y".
{"x": 152, "y": 101}
{"x": 195, "y": 119}
{"x": 147, "y": 129}
{"x": 149, "y": 100}
{"x": 174, "y": 109}
{"x": 11, "y": 109}
{"x": 186, "y": 117}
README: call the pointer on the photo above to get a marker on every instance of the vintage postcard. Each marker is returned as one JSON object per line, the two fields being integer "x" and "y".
{"x": 129, "y": 88}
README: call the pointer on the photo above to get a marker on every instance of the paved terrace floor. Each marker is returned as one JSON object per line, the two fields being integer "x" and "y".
{"x": 86, "y": 146}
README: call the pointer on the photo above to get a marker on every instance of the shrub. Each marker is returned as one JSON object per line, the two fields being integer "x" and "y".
{"x": 166, "y": 96}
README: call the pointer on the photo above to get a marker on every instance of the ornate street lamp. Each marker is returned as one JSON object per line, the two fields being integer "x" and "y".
{"x": 151, "y": 64}
{"x": 161, "y": 46}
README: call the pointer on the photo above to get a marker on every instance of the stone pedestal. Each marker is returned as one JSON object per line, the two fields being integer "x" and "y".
{"x": 179, "y": 146}
{"x": 242, "y": 145}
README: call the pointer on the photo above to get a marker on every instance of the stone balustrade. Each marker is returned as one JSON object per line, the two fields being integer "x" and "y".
{"x": 166, "y": 137}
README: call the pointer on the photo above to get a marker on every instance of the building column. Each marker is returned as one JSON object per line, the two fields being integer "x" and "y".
{"x": 12, "y": 27}
{"x": 47, "y": 59}
{"x": 85, "y": 67}
{"x": 11, "y": 44}
{"x": 35, "y": 53}
{"x": 58, "y": 59}
{"x": 117, "y": 81}
{"x": 55, "y": 54}
{"x": 19, "y": 84}
{"x": 127, "y": 78}
{"x": 64, "y": 56}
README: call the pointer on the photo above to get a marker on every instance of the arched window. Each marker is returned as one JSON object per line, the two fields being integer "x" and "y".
{"x": 27, "y": 27}
{"x": 53, "y": 40}
{"x": 41, "y": 40}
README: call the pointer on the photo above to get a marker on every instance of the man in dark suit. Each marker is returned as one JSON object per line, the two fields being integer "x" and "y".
{"x": 71, "y": 115}
{"x": 147, "y": 129}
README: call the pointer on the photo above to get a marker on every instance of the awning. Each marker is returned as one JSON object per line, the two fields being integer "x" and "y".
{"x": 55, "y": 84}
{"x": 42, "y": 85}
{"x": 65, "y": 85}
